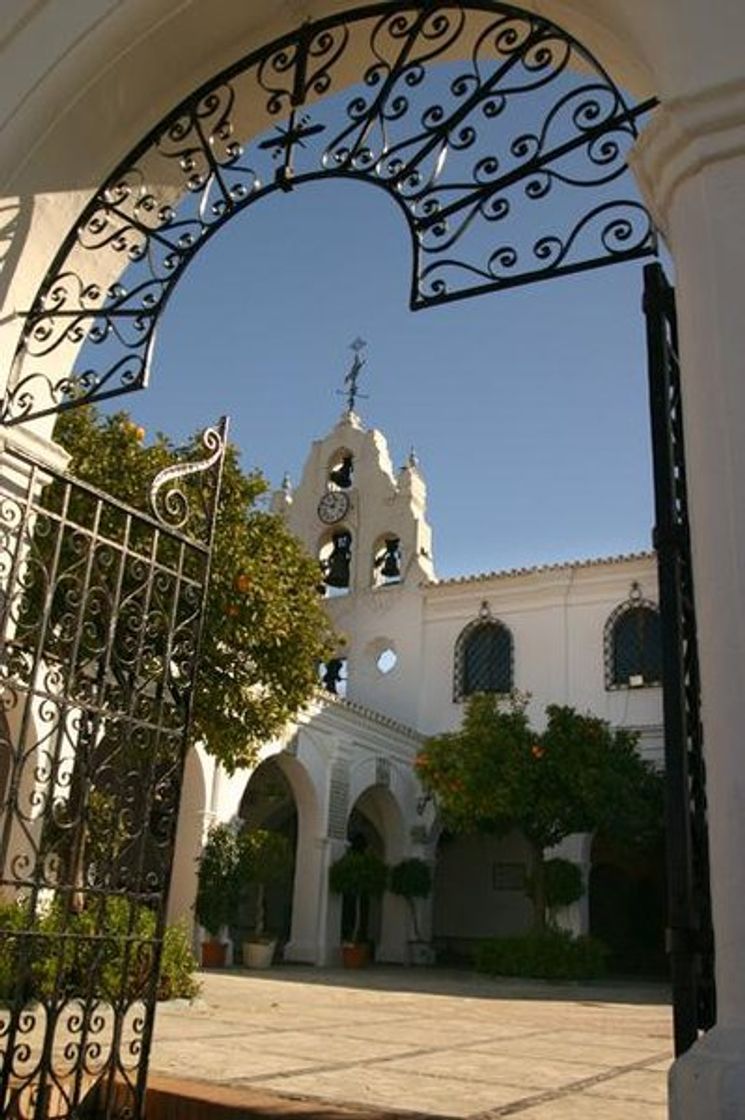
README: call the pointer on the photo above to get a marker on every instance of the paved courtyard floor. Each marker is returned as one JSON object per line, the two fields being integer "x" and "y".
{"x": 426, "y": 1041}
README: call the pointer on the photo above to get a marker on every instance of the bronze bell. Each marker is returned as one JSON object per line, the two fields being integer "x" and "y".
{"x": 332, "y": 674}
{"x": 391, "y": 565}
{"x": 337, "y": 570}
{"x": 341, "y": 476}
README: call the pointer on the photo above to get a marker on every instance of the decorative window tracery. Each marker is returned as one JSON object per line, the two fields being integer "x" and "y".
{"x": 633, "y": 644}
{"x": 483, "y": 657}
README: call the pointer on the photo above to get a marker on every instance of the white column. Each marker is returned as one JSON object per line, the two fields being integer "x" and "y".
{"x": 394, "y": 930}
{"x": 308, "y": 899}
{"x": 329, "y": 906}
{"x": 691, "y": 165}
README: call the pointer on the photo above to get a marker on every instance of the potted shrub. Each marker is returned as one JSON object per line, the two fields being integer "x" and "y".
{"x": 264, "y": 859}
{"x": 562, "y": 885}
{"x": 411, "y": 879}
{"x": 360, "y": 875}
{"x": 217, "y": 885}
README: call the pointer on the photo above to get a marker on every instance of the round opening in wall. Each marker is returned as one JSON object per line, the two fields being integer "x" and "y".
{"x": 386, "y": 660}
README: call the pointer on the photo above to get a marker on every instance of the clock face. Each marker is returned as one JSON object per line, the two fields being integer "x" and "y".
{"x": 333, "y": 506}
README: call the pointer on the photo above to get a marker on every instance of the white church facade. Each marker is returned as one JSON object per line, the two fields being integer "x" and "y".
{"x": 411, "y": 648}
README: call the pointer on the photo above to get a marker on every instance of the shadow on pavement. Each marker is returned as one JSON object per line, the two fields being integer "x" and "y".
{"x": 461, "y": 982}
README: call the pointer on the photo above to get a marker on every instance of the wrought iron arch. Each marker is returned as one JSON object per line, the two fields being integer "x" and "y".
{"x": 471, "y": 114}
{"x": 475, "y": 657}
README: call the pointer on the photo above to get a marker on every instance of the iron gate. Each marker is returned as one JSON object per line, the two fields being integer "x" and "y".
{"x": 101, "y": 610}
{"x": 690, "y": 933}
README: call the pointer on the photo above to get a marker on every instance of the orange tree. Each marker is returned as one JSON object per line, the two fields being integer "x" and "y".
{"x": 496, "y": 773}
{"x": 265, "y": 630}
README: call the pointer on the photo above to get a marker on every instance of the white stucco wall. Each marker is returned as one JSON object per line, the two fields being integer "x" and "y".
{"x": 557, "y": 617}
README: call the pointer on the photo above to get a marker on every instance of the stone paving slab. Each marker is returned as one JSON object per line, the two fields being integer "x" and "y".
{"x": 425, "y": 1041}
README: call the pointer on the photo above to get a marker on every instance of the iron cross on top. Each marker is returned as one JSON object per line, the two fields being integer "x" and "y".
{"x": 350, "y": 390}
{"x": 295, "y": 132}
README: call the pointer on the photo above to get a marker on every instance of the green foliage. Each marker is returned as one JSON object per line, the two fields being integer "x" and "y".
{"x": 265, "y": 858}
{"x": 552, "y": 955}
{"x": 579, "y": 775}
{"x": 265, "y": 629}
{"x": 562, "y": 883}
{"x": 105, "y": 952}
{"x": 359, "y": 873}
{"x": 13, "y": 917}
{"x": 178, "y": 965}
{"x": 411, "y": 878}
{"x": 217, "y": 879}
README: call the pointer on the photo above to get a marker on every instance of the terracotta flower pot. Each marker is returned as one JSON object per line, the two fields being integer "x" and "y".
{"x": 213, "y": 954}
{"x": 355, "y": 956}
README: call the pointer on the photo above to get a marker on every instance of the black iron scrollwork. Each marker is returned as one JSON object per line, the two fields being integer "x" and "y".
{"x": 487, "y": 125}
{"x": 100, "y": 618}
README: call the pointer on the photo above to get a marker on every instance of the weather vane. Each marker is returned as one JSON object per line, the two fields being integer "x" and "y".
{"x": 350, "y": 390}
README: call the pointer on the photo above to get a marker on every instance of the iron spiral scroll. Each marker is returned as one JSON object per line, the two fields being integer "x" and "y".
{"x": 489, "y": 126}
{"x": 101, "y": 610}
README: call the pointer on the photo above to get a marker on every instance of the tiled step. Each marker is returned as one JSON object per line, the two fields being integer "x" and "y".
{"x": 170, "y": 1098}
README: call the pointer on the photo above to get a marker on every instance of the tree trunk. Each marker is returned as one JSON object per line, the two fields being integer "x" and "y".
{"x": 357, "y": 918}
{"x": 260, "y": 909}
{"x": 414, "y": 918}
{"x": 539, "y": 891}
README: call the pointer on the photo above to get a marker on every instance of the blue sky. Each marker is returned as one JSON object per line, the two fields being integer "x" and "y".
{"x": 527, "y": 407}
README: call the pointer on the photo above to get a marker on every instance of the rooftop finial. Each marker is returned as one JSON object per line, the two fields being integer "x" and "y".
{"x": 350, "y": 390}
{"x": 413, "y": 460}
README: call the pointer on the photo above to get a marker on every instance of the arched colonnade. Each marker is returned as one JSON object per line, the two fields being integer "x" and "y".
{"x": 332, "y": 783}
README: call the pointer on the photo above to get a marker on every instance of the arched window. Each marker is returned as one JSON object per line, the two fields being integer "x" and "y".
{"x": 633, "y": 646}
{"x": 387, "y": 561}
{"x": 483, "y": 658}
{"x": 335, "y": 558}
{"x": 341, "y": 469}
{"x": 334, "y": 675}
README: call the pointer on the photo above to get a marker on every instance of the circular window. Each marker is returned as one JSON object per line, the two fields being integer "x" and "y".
{"x": 386, "y": 660}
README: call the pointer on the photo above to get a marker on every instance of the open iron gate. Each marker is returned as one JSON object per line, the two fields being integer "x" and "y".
{"x": 690, "y": 933}
{"x": 101, "y": 611}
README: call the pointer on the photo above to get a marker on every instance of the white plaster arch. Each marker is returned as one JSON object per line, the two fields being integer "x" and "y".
{"x": 308, "y": 891}
{"x": 400, "y": 786}
{"x": 388, "y": 807}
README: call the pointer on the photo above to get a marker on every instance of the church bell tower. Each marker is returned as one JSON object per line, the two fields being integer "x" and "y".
{"x": 366, "y": 524}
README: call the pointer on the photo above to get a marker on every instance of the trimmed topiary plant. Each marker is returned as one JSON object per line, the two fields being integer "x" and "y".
{"x": 217, "y": 881}
{"x": 562, "y": 885}
{"x": 362, "y": 875}
{"x": 412, "y": 879}
{"x": 265, "y": 859}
